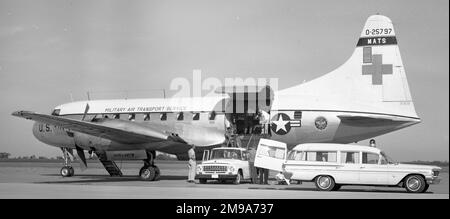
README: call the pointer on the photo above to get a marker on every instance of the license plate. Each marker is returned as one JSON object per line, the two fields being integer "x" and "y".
{"x": 215, "y": 176}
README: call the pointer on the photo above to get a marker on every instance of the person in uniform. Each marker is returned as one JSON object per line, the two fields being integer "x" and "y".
{"x": 192, "y": 165}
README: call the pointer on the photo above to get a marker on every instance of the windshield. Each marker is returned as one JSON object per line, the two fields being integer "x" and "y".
{"x": 226, "y": 154}
{"x": 386, "y": 159}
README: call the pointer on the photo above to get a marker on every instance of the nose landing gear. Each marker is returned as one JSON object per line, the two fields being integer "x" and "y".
{"x": 150, "y": 172}
{"x": 67, "y": 170}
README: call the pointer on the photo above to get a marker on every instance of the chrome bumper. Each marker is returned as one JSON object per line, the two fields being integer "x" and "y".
{"x": 433, "y": 180}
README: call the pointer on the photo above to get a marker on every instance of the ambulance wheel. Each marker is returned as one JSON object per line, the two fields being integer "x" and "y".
{"x": 324, "y": 183}
{"x": 415, "y": 184}
{"x": 147, "y": 173}
{"x": 203, "y": 181}
{"x": 67, "y": 171}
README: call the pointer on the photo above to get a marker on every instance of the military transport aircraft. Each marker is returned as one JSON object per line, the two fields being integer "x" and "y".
{"x": 365, "y": 97}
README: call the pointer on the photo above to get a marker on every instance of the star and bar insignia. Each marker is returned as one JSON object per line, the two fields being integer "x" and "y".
{"x": 281, "y": 124}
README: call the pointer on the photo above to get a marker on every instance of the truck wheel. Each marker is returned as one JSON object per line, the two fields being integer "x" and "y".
{"x": 324, "y": 183}
{"x": 203, "y": 181}
{"x": 238, "y": 179}
{"x": 415, "y": 184}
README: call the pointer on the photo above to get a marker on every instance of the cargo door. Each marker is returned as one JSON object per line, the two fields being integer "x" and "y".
{"x": 270, "y": 154}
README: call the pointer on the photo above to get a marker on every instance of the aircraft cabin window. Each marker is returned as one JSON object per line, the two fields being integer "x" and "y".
{"x": 180, "y": 116}
{"x": 196, "y": 116}
{"x": 212, "y": 115}
{"x": 132, "y": 117}
{"x": 146, "y": 116}
{"x": 163, "y": 116}
{"x": 56, "y": 112}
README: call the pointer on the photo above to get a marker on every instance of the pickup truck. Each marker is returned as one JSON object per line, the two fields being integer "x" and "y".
{"x": 224, "y": 164}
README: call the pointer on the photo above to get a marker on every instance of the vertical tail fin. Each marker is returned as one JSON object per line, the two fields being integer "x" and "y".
{"x": 372, "y": 80}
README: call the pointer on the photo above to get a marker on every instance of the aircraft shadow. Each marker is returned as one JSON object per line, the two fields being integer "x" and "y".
{"x": 103, "y": 178}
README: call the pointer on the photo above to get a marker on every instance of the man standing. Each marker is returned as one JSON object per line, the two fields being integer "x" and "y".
{"x": 251, "y": 161}
{"x": 263, "y": 176}
{"x": 192, "y": 165}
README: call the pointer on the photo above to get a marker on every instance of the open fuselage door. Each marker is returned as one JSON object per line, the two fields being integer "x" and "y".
{"x": 270, "y": 154}
{"x": 246, "y": 106}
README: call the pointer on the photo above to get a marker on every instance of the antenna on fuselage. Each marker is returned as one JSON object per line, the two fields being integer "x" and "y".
{"x": 88, "y": 97}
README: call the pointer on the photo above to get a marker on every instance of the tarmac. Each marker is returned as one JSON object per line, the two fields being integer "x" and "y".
{"x": 41, "y": 180}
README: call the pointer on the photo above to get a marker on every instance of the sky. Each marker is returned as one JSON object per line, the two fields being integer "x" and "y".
{"x": 53, "y": 51}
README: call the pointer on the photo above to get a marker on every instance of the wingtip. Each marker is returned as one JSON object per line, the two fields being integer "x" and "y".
{"x": 16, "y": 113}
{"x": 20, "y": 113}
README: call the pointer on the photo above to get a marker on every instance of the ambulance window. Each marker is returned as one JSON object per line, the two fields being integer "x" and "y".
{"x": 56, "y": 112}
{"x": 295, "y": 155}
{"x": 212, "y": 115}
{"x": 196, "y": 116}
{"x": 163, "y": 116}
{"x": 349, "y": 157}
{"x": 321, "y": 156}
{"x": 370, "y": 158}
{"x": 180, "y": 116}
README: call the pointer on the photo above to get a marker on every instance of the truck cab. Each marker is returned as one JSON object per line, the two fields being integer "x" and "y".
{"x": 224, "y": 164}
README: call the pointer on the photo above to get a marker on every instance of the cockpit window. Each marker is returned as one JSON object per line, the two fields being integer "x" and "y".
{"x": 56, "y": 112}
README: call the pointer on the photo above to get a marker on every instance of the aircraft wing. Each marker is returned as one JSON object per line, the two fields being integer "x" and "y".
{"x": 116, "y": 130}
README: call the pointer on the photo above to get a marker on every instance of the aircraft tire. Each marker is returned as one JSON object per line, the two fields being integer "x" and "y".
{"x": 66, "y": 171}
{"x": 147, "y": 173}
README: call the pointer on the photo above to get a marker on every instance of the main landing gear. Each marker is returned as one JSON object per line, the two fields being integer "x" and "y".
{"x": 67, "y": 170}
{"x": 150, "y": 172}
